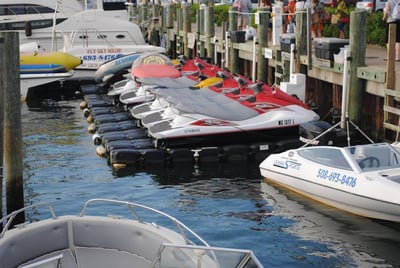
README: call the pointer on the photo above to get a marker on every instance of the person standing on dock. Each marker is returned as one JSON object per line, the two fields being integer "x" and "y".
{"x": 344, "y": 17}
{"x": 316, "y": 19}
{"x": 391, "y": 14}
{"x": 244, "y": 8}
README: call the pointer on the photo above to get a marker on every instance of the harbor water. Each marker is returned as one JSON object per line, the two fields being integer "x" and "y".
{"x": 228, "y": 205}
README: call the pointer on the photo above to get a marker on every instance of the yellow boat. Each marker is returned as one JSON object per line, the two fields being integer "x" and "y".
{"x": 59, "y": 58}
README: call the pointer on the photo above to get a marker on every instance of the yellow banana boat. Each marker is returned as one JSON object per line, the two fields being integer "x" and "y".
{"x": 58, "y": 58}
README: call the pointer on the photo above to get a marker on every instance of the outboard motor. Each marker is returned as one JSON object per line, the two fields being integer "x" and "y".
{"x": 310, "y": 130}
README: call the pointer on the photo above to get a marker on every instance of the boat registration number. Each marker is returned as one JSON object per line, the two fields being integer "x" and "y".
{"x": 286, "y": 122}
{"x": 336, "y": 177}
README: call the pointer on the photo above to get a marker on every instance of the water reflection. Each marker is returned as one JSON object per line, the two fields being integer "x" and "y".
{"x": 224, "y": 202}
{"x": 366, "y": 242}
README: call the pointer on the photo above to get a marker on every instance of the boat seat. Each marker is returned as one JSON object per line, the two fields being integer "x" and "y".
{"x": 62, "y": 258}
{"x": 101, "y": 257}
{"x": 26, "y": 245}
{"x": 96, "y": 233}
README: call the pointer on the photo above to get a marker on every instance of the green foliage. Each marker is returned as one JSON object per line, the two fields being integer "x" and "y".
{"x": 376, "y": 29}
{"x": 221, "y": 14}
{"x": 193, "y": 11}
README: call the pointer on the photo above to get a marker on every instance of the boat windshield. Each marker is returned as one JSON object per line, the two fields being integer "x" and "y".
{"x": 375, "y": 156}
{"x": 328, "y": 156}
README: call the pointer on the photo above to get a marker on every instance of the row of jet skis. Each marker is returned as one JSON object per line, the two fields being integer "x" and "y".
{"x": 162, "y": 105}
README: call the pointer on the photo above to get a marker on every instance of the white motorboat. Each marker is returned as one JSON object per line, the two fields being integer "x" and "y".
{"x": 35, "y": 19}
{"x": 361, "y": 179}
{"x": 112, "y": 241}
{"x": 28, "y": 81}
{"x": 96, "y": 33}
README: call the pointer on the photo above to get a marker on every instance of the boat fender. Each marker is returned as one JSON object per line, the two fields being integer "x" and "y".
{"x": 92, "y": 128}
{"x": 101, "y": 151}
{"x": 83, "y": 105}
{"x": 96, "y": 139}
{"x": 86, "y": 112}
{"x": 78, "y": 94}
{"x": 28, "y": 28}
{"x": 90, "y": 119}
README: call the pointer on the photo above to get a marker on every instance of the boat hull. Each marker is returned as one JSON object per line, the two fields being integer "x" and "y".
{"x": 31, "y": 80}
{"x": 345, "y": 190}
{"x": 226, "y": 138}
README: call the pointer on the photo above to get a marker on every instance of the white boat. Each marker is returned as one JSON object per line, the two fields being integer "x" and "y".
{"x": 96, "y": 34}
{"x": 112, "y": 241}
{"x": 28, "y": 81}
{"x": 361, "y": 179}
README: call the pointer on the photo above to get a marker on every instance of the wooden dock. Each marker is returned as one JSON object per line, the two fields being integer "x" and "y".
{"x": 372, "y": 86}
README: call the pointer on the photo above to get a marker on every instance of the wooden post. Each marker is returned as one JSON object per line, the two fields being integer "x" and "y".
{"x": 358, "y": 40}
{"x": 200, "y": 30}
{"x": 2, "y": 88}
{"x": 391, "y": 55}
{"x": 187, "y": 28}
{"x": 262, "y": 33}
{"x": 233, "y": 53}
{"x": 154, "y": 33}
{"x": 209, "y": 30}
{"x": 169, "y": 21}
{"x": 143, "y": 13}
{"x": 179, "y": 23}
{"x": 303, "y": 28}
{"x": 170, "y": 30}
{"x": 12, "y": 124}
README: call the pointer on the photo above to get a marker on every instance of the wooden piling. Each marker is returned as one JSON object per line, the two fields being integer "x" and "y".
{"x": 209, "y": 30}
{"x": 358, "y": 37}
{"x": 187, "y": 28}
{"x": 391, "y": 55}
{"x": 200, "y": 31}
{"x": 2, "y": 88}
{"x": 9, "y": 59}
{"x": 170, "y": 30}
{"x": 262, "y": 33}
{"x": 233, "y": 53}
{"x": 144, "y": 13}
{"x": 302, "y": 32}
